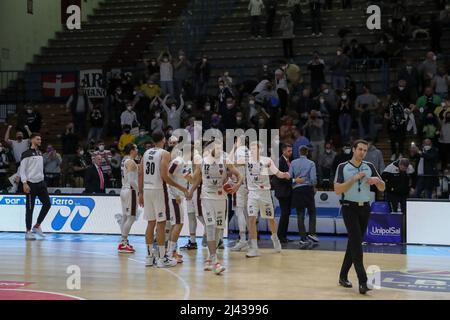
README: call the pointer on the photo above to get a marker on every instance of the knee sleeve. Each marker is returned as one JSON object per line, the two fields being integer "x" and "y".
{"x": 211, "y": 233}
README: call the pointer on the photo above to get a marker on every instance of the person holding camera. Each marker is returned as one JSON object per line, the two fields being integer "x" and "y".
{"x": 366, "y": 105}
{"x": 315, "y": 129}
{"x": 52, "y": 167}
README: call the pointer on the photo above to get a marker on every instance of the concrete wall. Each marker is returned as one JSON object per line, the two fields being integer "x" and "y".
{"x": 22, "y": 34}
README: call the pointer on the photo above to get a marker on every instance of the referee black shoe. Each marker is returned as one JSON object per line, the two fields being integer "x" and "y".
{"x": 313, "y": 238}
{"x": 363, "y": 288}
{"x": 345, "y": 283}
{"x": 190, "y": 246}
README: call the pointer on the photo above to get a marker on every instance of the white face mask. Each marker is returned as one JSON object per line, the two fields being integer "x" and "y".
{"x": 338, "y": 53}
{"x": 189, "y": 107}
{"x": 344, "y": 97}
{"x": 220, "y": 87}
{"x": 426, "y": 148}
{"x": 238, "y": 119}
{"x": 251, "y": 102}
{"x": 207, "y": 107}
{"x": 229, "y": 105}
{"x": 173, "y": 108}
{"x": 347, "y": 150}
{"x": 443, "y": 104}
{"x": 130, "y": 108}
{"x": 157, "y": 115}
{"x": 326, "y": 91}
{"x": 142, "y": 133}
{"x": 322, "y": 101}
{"x": 101, "y": 148}
{"x": 81, "y": 152}
{"x": 401, "y": 88}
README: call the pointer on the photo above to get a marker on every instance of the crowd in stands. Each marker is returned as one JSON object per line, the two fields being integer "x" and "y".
{"x": 173, "y": 92}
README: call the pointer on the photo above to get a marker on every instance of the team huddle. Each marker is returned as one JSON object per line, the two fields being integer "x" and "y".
{"x": 167, "y": 184}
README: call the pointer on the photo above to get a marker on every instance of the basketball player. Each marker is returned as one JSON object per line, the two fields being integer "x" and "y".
{"x": 239, "y": 157}
{"x": 32, "y": 178}
{"x": 257, "y": 173}
{"x": 153, "y": 196}
{"x": 178, "y": 172}
{"x": 212, "y": 173}
{"x": 128, "y": 195}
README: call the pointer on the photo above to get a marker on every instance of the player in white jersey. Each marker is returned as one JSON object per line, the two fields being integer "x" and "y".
{"x": 212, "y": 174}
{"x": 258, "y": 171}
{"x": 179, "y": 171}
{"x": 194, "y": 208}
{"x": 153, "y": 196}
{"x": 128, "y": 195}
{"x": 239, "y": 156}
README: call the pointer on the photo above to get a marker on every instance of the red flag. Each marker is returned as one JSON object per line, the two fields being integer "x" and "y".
{"x": 58, "y": 85}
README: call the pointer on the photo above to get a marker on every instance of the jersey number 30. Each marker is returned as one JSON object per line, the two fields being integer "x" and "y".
{"x": 150, "y": 168}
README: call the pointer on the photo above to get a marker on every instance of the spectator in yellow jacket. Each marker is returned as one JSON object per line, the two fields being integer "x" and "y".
{"x": 125, "y": 138}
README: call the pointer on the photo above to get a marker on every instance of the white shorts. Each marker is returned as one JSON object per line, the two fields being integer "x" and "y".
{"x": 241, "y": 198}
{"x": 156, "y": 205}
{"x": 177, "y": 209}
{"x": 128, "y": 198}
{"x": 260, "y": 201}
{"x": 215, "y": 212}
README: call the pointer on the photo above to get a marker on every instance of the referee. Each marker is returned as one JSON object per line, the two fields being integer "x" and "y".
{"x": 32, "y": 177}
{"x": 353, "y": 180}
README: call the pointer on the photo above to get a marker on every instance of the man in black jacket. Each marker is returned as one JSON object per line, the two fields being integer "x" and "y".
{"x": 397, "y": 177}
{"x": 427, "y": 170}
{"x": 283, "y": 191}
{"x": 79, "y": 105}
{"x": 95, "y": 180}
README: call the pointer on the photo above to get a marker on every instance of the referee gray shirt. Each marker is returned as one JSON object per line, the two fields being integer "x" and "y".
{"x": 32, "y": 166}
{"x": 360, "y": 190}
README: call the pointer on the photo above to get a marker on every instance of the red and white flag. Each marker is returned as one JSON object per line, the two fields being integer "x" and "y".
{"x": 58, "y": 85}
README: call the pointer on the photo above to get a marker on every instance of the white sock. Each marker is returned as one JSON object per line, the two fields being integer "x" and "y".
{"x": 150, "y": 250}
{"x": 254, "y": 243}
{"x": 213, "y": 258}
{"x": 171, "y": 247}
{"x": 274, "y": 237}
{"x": 242, "y": 236}
{"x": 193, "y": 239}
{"x": 161, "y": 251}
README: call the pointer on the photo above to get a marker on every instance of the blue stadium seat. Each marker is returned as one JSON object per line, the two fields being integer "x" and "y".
{"x": 380, "y": 207}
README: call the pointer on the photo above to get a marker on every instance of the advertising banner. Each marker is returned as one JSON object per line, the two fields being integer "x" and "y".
{"x": 384, "y": 228}
{"x": 92, "y": 82}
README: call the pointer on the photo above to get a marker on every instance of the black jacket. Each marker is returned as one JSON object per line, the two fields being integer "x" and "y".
{"x": 282, "y": 187}
{"x": 92, "y": 181}
{"x": 397, "y": 182}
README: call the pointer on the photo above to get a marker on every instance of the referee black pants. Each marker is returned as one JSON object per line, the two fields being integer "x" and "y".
{"x": 356, "y": 219}
{"x": 36, "y": 190}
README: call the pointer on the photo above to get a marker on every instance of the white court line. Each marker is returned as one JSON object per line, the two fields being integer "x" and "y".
{"x": 187, "y": 289}
{"x": 37, "y": 291}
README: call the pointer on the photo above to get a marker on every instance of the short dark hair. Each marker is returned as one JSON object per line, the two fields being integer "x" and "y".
{"x": 128, "y": 148}
{"x": 355, "y": 144}
{"x": 34, "y": 135}
{"x": 284, "y": 146}
{"x": 158, "y": 136}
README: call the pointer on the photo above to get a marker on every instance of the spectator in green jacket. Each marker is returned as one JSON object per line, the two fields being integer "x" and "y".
{"x": 429, "y": 101}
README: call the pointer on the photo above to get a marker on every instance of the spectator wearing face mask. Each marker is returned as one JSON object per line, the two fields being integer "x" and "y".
{"x": 345, "y": 110}
{"x": 79, "y": 165}
{"x": 18, "y": 146}
{"x": 282, "y": 88}
{"x": 224, "y": 92}
{"x": 97, "y": 123}
{"x": 444, "y": 141}
{"x": 395, "y": 115}
{"x": 366, "y": 105}
{"x": 264, "y": 73}
{"x": 206, "y": 116}
{"x": 166, "y": 72}
{"x": 241, "y": 122}
{"x": 125, "y": 138}
{"x": 427, "y": 171}
{"x": 173, "y": 113}
{"x": 300, "y": 140}
{"x": 428, "y": 69}
{"x": 339, "y": 70}
{"x": 442, "y": 109}
{"x": 152, "y": 68}
{"x": 410, "y": 74}
{"x": 202, "y": 73}
{"x": 314, "y": 128}
{"x": 116, "y": 160}
{"x": 325, "y": 166}
{"x": 52, "y": 167}
{"x": 441, "y": 82}
{"x": 429, "y": 101}
{"x": 216, "y": 122}
{"x": 398, "y": 179}
{"x": 287, "y": 130}
{"x": 31, "y": 118}
{"x": 345, "y": 155}
{"x": 317, "y": 69}
{"x": 157, "y": 123}
{"x": 182, "y": 69}
{"x": 4, "y": 165}
{"x": 430, "y": 127}
{"x": 79, "y": 105}
{"x": 142, "y": 139}
{"x": 402, "y": 92}
{"x": 129, "y": 118}
{"x": 228, "y": 113}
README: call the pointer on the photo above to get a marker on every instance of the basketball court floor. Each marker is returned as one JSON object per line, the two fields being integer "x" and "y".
{"x": 45, "y": 269}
